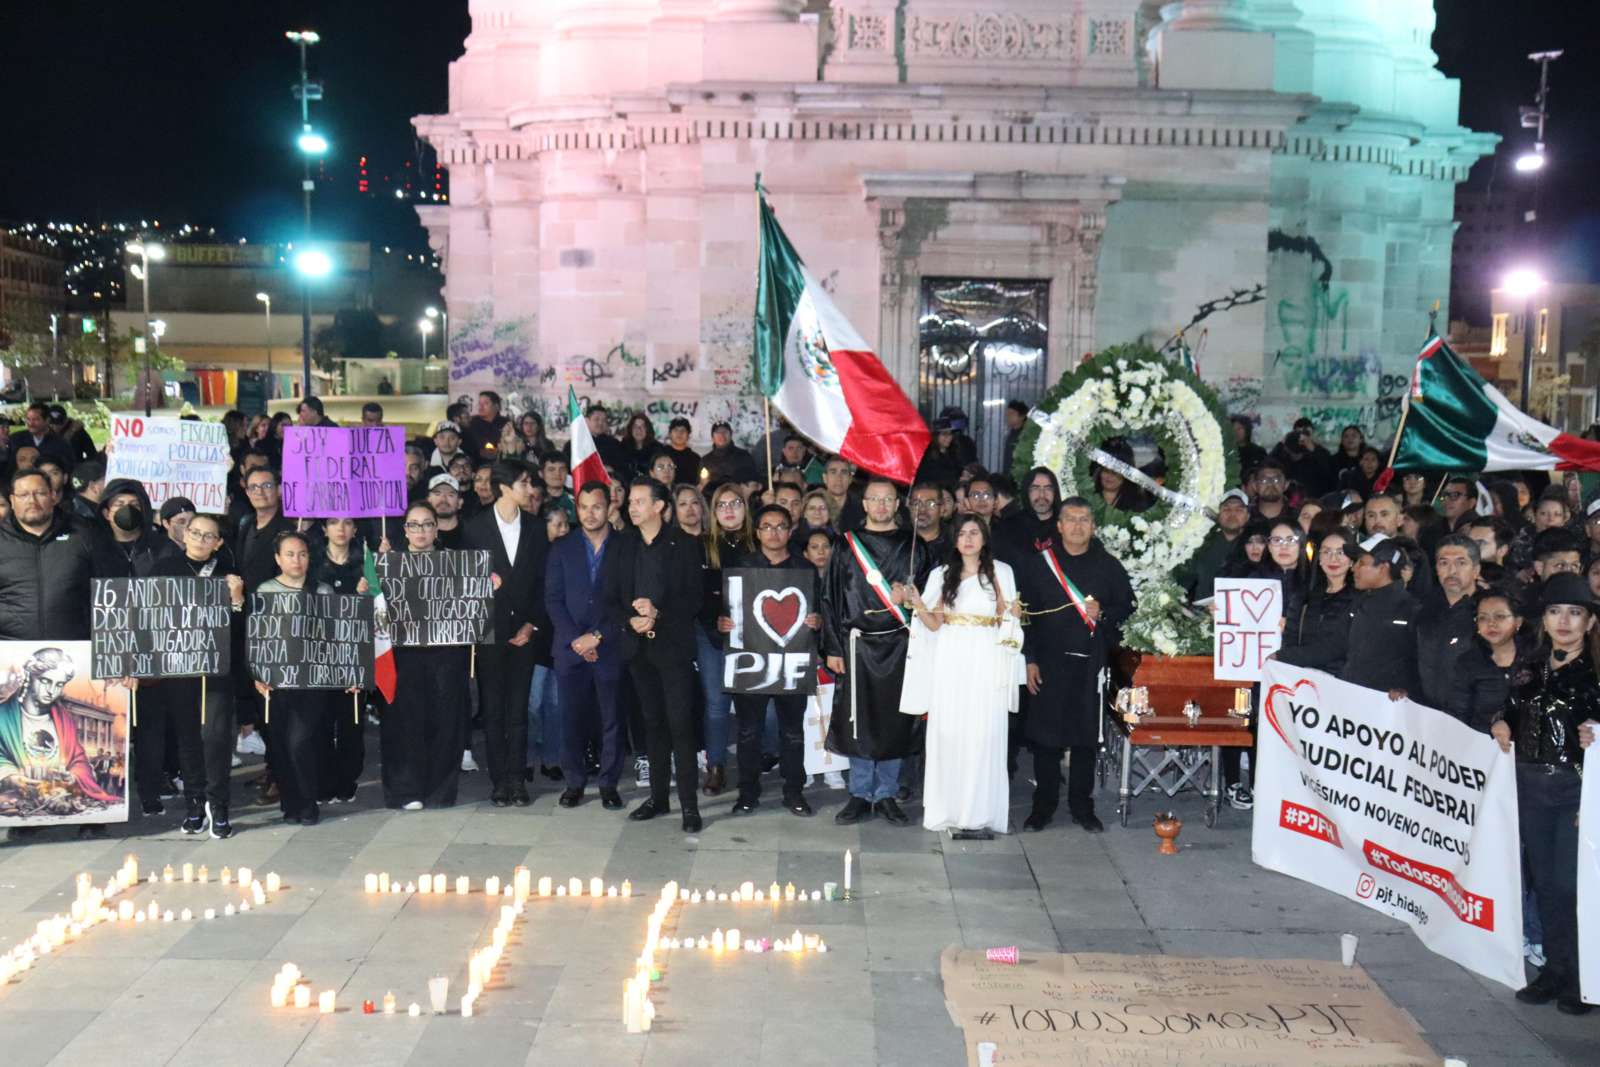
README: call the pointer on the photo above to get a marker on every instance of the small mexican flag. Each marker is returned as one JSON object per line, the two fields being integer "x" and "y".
{"x": 1456, "y": 421}
{"x": 383, "y": 673}
{"x": 587, "y": 466}
{"x": 819, "y": 372}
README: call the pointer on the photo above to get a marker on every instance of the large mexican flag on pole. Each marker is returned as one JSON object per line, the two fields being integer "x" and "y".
{"x": 818, "y": 371}
{"x": 1456, "y": 421}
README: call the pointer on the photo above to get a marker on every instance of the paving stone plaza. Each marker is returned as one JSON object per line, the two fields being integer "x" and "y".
{"x": 197, "y": 992}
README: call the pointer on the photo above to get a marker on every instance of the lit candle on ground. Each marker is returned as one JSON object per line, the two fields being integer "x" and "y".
{"x": 244, "y": 905}
{"x": 491, "y": 885}
{"x": 747, "y": 891}
{"x": 166, "y": 873}
{"x": 683, "y": 894}
{"x": 463, "y": 885}
{"x": 256, "y": 894}
{"x": 611, "y": 891}
{"x": 722, "y": 898}
{"x": 411, "y": 887}
{"x": 816, "y": 895}
{"x": 302, "y": 996}
{"x": 274, "y": 883}
{"x": 388, "y": 1003}
{"x": 561, "y": 890}
{"x": 627, "y": 888}
{"x": 325, "y": 1002}
{"x": 774, "y": 893}
{"x": 204, "y": 874}
{"x": 383, "y": 882}
{"x": 731, "y": 939}
{"x": 226, "y": 878}
{"x": 415, "y": 1009}
{"x": 188, "y": 872}
{"x": 211, "y": 913}
{"x": 228, "y": 911}
{"x": 597, "y": 887}
{"x": 788, "y": 892}
{"x": 760, "y": 896}
{"x": 694, "y": 898}
{"x": 575, "y": 886}
{"x": 125, "y": 910}
{"x": 847, "y": 871}
{"x": 425, "y": 883}
{"x": 395, "y": 889}
{"x": 466, "y": 1006}
{"x": 280, "y": 995}
{"x": 544, "y": 886}
{"x": 166, "y": 916}
{"x": 716, "y": 940}
{"x": 245, "y": 877}
{"x": 370, "y": 883}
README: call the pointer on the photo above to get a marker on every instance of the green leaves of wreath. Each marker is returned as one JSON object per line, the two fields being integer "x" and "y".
{"x": 1138, "y": 377}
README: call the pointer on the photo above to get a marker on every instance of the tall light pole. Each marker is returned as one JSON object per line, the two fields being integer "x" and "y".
{"x": 311, "y": 144}
{"x": 266, "y": 298}
{"x": 444, "y": 339}
{"x": 1525, "y": 283}
{"x": 311, "y": 265}
{"x": 148, "y": 253}
{"x": 1533, "y": 118}
{"x": 424, "y": 327}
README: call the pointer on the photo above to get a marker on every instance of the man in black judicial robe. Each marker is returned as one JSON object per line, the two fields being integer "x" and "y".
{"x": 1065, "y": 657}
{"x": 865, "y": 642}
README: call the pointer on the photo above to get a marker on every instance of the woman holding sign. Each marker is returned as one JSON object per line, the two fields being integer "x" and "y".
{"x": 295, "y": 716}
{"x": 964, "y": 669}
{"x": 423, "y": 730}
{"x": 205, "y": 737}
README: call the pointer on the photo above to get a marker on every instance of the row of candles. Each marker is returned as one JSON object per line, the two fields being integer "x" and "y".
{"x": 91, "y": 906}
{"x": 428, "y": 884}
{"x": 720, "y": 942}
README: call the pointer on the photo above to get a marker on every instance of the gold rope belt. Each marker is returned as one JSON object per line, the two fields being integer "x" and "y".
{"x": 959, "y": 618}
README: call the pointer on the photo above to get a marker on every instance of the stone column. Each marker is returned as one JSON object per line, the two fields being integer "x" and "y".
{"x": 864, "y": 38}
{"x": 1211, "y": 44}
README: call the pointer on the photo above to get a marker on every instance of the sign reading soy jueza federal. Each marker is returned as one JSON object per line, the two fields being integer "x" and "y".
{"x": 443, "y": 597}
{"x": 310, "y": 640}
{"x": 160, "y": 627}
{"x": 771, "y": 651}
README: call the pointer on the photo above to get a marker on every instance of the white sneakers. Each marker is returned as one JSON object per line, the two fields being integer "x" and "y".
{"x": 833, "y": 779}
{"x": 415, "y": 805}
{"x": 250, "y": 744}
{"x": 467, "y": 762}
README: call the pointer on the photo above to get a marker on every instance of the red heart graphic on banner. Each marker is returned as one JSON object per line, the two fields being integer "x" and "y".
{"x": 780, "y": 612}
{"x": 1261, "y": 597}
{"x": 1278, "y": 695}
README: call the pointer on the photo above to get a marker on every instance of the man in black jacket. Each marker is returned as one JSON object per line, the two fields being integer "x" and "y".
{"x": 1447, "y": 620}
{"x": 517, "y": 546}
{"x": 656, "y": 590}
{"x": 1383, "y": 648}
{"x": 46, "y": 564}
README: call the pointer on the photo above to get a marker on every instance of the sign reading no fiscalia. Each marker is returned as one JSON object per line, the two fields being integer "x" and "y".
{"x": 172, "y": 457}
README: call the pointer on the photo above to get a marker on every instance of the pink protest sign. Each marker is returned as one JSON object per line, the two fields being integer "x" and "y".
{"x": 355, "y": 472}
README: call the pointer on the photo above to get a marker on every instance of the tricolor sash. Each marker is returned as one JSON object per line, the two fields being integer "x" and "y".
{"x": 874, "y": 577}
{"x": 1074, "y": 595}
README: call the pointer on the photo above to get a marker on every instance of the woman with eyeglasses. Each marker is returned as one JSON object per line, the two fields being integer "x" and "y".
{"x": 1551, "y": 714}
{"x": 205, "y": 751}
{"x": 1482, "y": 677}
{"x": 1318, "y": 633}
{"x": 725, "y": 540}
{"x": 339, "y": 565}
{"x": 423, "y": 731}
{"x": 295, "y": 716}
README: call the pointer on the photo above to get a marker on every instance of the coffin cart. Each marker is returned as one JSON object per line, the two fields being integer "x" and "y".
{"x": 1162, "y": 746}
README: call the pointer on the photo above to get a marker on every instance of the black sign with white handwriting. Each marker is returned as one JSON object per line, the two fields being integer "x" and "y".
{"x": 310, "y": 640}
{"x": 160, "y": 627}
{"x": 443, "y": 597}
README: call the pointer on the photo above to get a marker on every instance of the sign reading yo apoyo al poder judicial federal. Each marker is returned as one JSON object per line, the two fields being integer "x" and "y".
{"x": 1396, "y": 806}
{"x": 355, "y": 472}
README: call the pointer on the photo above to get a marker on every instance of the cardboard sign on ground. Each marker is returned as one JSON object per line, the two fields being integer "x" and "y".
{"x": 1099, "y": 1010}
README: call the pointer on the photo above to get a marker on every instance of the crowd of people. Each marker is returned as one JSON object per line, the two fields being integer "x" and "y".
{"x": 1474, "y": 594}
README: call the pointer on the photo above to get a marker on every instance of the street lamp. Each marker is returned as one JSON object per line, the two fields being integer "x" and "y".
{"x": 1525, "y": 283}
{"x": 311, "y": 143}
{"x": 312, "y": 265}
{"x": 266, "y": 298}
{"x": 424, "y": 327}
{"x": 444, "y": 338}
{"x": 1533, "y": 118}
{"x": 148, "y": 252}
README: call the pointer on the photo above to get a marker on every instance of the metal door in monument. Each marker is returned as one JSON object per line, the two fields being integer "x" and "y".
{"x": 983, "y": 343}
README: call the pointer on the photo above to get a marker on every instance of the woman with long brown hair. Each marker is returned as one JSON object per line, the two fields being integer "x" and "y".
{"x": 724, "y": 539}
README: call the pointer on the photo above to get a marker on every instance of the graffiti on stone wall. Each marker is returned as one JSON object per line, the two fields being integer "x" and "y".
{"x": 495, "y": 353}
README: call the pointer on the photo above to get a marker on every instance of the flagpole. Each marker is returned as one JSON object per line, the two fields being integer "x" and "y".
{"x": 766, "y": 429}
{"x": 1405, "y": 403}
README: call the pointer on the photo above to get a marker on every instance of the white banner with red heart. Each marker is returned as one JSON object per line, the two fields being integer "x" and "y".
{"x": 1396, "y": 806}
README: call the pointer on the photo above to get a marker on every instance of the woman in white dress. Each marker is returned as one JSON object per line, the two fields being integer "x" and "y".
{"x": 963, "y": 670}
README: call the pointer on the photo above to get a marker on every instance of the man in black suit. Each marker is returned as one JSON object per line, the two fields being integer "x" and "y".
{"x": 656, "y": 590}
{"x": 517, "y": 546}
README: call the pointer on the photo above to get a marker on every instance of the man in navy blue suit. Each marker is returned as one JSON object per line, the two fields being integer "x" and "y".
{"x": 588, "y": 654}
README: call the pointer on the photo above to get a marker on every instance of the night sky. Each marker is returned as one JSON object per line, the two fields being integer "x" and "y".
{"x": 180, "y": 109}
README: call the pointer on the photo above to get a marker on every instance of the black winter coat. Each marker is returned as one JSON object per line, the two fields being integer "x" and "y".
{"x": 1318, "y": 634}
{"x": 1443, "y": 635}
{"x": 1480, "y": 687}
{"x": 1383, "y": 643}
{"x": 45, "y": 581}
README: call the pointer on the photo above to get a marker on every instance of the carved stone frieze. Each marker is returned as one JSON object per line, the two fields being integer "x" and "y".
{"x": 991, "y": 35}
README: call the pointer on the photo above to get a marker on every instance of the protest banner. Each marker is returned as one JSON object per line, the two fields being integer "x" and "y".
{"x": 771, "y": 651}
{"x": 172, "y": 457}
{"x": 1396, "y": 806}
{"x": 1246, "y": 627}
{"x": 1100, "y": 1010}
{"x": 63, "y": 737}
{"x": 310, "y": 640}
{"x": 819, "y": 707}
{"x": 356, "y": 472}
{"x": 160, "y": 627}
{"x": 443, "y": 597}
{"x": 1589, "y": 885}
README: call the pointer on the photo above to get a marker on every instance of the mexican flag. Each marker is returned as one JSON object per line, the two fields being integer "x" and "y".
{"x": 586, "y": 463}
{"x": 819, "y": 372}
{"x": 383, "y": 674}
{"x": 1456, "y": 421}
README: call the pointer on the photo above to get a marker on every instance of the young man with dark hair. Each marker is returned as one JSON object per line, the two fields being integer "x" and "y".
{"x": 481, "y": 438}
{"x": 685, "y": 460}
{"x": 517, "y": 548}
{"x": 553, "y": 474}
{"x": 372, "y": 413}
{"x": 1448, "y": 619}
{"x": 1016, "y": 419}
{"x": 1382, "y": 651}
{"x": 656, "y": 591}
{"x": 1458, "y": 500}
{"x": 1269, "y": 488}
{"x": 1556, "y": 551}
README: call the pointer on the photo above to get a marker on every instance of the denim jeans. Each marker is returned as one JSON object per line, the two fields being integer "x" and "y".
{"x": 544, "y": 719}
{"x": 716, "y": 703}
{"x": 874, "y": 780}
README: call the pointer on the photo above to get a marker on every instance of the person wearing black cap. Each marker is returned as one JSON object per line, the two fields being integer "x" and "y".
{"x": 128, "y": 543}
{"x": 1383, "y": 648}
{"x": 88, "y": 483}
{"x": 726, "y": 461}
{"x": 176, "y": 514}
{"x": 79, "y": 445}
{"x": 444, "y": 497}
{"x": 446, "y": 445}
{"x": 1199, "y": 574}
{"x": 1555, "y": 700}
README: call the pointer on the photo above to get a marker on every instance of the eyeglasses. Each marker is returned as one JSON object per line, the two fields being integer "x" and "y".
{"x": 980, "y": 495}
{"x": 420, "y": 526}
{"x": 768, "y": 527}
{"x": 37, "y": 494}
{"x": 1270, "y": 479}
{"x": 203, "y": 538}
{"x": 730, "y": 504}
{"x": 1283, "y": 542}
{"x": 260, "y": 487}
{"x": 1499, "y": 616}
{"x": 924, "y": 505}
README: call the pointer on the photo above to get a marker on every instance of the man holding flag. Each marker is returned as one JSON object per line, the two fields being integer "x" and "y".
{"x": 824, "y": 378}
